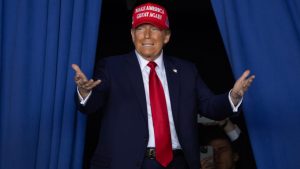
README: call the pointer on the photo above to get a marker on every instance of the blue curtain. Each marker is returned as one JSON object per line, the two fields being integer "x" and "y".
{"x": 264, "y": 36}
{"x": 39, "y": 40}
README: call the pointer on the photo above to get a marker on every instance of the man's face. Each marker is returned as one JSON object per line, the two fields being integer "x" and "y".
{"x": 224, "y": 157}
{"x": 149, "y": 40}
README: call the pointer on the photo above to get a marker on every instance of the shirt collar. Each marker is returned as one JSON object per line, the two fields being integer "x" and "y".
{"x": 143, "y": 62}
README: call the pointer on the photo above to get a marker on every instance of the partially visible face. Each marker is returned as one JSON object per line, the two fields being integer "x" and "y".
{"x": 224, "y": 157}
{"x": 149, "y": 40}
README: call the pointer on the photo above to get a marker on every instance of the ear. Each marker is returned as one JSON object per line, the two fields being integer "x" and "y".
{"x": 167, "y": 37}
{"x": 132, "y": 34}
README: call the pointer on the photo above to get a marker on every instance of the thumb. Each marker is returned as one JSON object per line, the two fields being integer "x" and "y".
{"x": 78, "y": 71}
{"x": 76, "y": 68}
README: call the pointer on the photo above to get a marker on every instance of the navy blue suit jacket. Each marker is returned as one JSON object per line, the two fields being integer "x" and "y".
{"x": 121, "y": 98}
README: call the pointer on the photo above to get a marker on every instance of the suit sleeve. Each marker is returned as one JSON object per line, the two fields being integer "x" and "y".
{"x": 216, "y": 107}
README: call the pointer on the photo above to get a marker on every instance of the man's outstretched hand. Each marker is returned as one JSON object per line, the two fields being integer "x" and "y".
{"x": 241, "y": 86}
{"x": 84, "y": 85}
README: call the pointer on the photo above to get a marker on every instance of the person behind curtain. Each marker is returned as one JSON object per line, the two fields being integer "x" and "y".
{"x": 122, "y": 87}
{"x": 229, "y": 145}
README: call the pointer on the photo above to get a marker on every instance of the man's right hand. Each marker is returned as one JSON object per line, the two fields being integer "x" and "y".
{"x": 207, "y": 163}
{"x": 84, "y": 85}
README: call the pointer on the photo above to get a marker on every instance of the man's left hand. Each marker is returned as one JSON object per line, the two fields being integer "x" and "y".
{"x": 241, "y": 86}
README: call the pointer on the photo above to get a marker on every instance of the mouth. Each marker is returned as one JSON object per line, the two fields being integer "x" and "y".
{"x": 147, "y": 44}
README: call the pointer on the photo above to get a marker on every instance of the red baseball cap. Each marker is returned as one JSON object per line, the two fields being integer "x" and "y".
{"x": 150, "y": 13}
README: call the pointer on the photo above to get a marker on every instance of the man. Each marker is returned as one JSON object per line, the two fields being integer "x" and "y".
{"x": 150, "y": 101}
{"x": 224, "y": 156}
{"x": 230, "y": 148}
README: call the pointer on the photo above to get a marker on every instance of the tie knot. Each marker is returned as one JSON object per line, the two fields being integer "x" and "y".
{"x": 152, "y": 65}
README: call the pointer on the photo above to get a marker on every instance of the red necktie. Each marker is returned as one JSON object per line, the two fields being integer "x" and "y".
{"x": 163, "y": 146}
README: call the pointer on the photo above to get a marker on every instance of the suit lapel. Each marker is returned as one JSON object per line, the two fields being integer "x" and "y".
{"x": 136, "y": 79}
{"x": 173, "y": 77}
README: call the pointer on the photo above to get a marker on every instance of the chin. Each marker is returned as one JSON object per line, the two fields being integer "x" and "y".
{"x": 149, "y": 56}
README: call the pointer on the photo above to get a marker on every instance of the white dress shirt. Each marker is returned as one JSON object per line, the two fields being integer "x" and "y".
{"x": 161, "y": 73}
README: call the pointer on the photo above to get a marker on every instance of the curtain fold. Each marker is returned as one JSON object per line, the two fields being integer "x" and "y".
{"x": 39, "y": 40}
{"x": 263, "y": 36}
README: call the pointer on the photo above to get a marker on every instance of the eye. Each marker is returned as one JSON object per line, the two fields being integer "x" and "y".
{"x": 139, "y": 28}
{"x": 155, "y": 28}
{"x": 223, "y": 149}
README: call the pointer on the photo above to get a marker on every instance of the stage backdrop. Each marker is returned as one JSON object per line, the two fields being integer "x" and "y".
{"x": 264, "y": 36}
{"x": 39, "y": 40}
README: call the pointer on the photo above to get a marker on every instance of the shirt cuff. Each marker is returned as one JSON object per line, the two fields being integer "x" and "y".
{"x": 83, "y": 100}
{"x": 234, "y": 134}
{"x": 234, "y": 108}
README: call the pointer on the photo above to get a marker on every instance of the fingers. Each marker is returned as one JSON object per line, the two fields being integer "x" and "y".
{"x": 79, "y": 74}
{"x": 81, "y": 80}
{"x": 242, "y": 84}
{"x": 244, "y": 75}
{"x": 76, "y": 69}
{"x": 248, "y": 82}
{"x": 207, "y": 163}
{"x": 88, "y": 85}
{"x": 245, "y": 79}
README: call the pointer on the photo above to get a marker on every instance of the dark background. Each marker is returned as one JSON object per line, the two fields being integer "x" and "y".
{"x": 195, "y": 37}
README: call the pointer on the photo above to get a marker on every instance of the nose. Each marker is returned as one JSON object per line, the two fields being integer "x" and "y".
{"x": 147, "y": 33}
